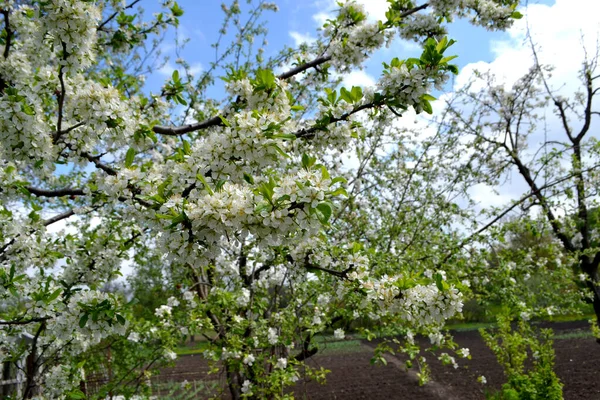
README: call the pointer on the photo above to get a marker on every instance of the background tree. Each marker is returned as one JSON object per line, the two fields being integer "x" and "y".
{"x": 505, "y": 131}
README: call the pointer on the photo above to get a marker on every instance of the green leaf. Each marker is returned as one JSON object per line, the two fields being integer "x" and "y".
{"x": 219, "y": 185}
{"x": 248, "y": 178}
{"x": 224, "y": 121}
{"x": 264, "y": 81}
{"x": 338, "y": 179}
{"x": 113, "y": 123}
{"x": 83, "y": 320}
{"x": 308, "y": 161}
{"x": 176, "y": 10}
{"x": 427, "y": 107}
{"x": 442, "y": 44}
{"x": 76, "y": 394}
{"x": 54, "y": 295}
{"x": 27, "y": 109}
{"x": 201, "y": 179}
{"x": 285, "y": 136}
{"x": 446, "y": 59}
{"x": 120, "y": 319}
{"x": 187, "y": 148}
{"x": 324, "y": 213}
{"x": 516, "y": 15}
{"x": 279, "y": 150}
{"x": 345, "y": 95}
{"x": 339, "y": 191}
{"x": 180, "y": 100}
{"x": 357, "y": 93}
{"x": 324, "y": 172}
{"x": 439, "y": 282}
{"x": 129, "y": 157}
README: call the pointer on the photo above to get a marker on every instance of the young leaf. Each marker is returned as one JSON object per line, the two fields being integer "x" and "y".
{"x": 129, "y": 157}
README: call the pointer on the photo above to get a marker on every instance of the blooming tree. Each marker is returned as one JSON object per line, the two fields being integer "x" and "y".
{"x": 239, "y": 199}
{"x": 558, "y": 243}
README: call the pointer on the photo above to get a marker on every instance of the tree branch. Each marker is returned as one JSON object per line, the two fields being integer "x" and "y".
{"x": 113, "y": 15}
{"x": 216, "y": 121}
{"x": 517, "y": 203}
{"x": 58, "y": 217}
{"x": 98, "y": 163}
{"x": 9, "y": 33}
{"x": 24, "y": 321}
{"x": 55, "y": 193}
{"x": 61, "y": 96}
{"x": 301, "y": 68}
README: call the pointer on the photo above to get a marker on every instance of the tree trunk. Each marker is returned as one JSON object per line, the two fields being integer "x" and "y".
{"x": 233, "y": 381}
{"x": 596, "y": 302}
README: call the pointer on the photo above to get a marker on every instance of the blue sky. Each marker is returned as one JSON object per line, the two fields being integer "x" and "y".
{"x": 202, "y": 21}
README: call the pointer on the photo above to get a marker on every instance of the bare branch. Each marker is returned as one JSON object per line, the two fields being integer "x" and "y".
{"x": 24, "y": 321}
{"x": 99, "y": 164}
{"x": 58, "y": 217}
{"x": 517, "y": 203}
{"x": 182, "y": 130}
{"x": 113, "y": 15}
{"x": 55, "y": 193}
{"x": 301, "y": 68}
{"x": 9, "y": 32}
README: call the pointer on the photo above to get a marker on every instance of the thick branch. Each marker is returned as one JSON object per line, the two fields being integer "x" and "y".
{"x": 9, "y": 33}
{"x": 517, "y": 203}
{"x": 588, "y": 107}
{"x": 55, "y": 193}
{"x": 182, "y": 130}
{"x": 309, "y": 133}
{"x": 98, "y": 163}
{"x": 61, "y": 96}
{"x": 554, "y": 222}
{"x": 24, "y": 321}
{"x": 582, "y": 211}
{"x": 58, "y": 217}
{"x": 306, "y": 352}
{"x": 301, "y": 68}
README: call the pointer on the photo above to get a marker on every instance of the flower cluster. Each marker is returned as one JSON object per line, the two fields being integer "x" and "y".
{"x": 422, "y": 25}
{"x": 70, "y": 27}
{"x": 353, "y": 39}
{"x": 425, "y": 305}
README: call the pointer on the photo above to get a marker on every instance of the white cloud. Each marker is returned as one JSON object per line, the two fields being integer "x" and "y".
{"x": 300, "y": 38}
{"x": 321, "y": 17}
{"x": 196, "y": 68}
{"x": 358, "y": 78}
{"x": 168, "y": 68}
{"x": 560, "y": 33}
{"x": 375, "y": 9}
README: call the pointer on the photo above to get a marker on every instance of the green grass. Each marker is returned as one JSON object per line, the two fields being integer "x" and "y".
{"x": 341, "y": 346}
{"x": 471, "y": 326}
{"x": 571, "y": 318}
{"x": 198, "y": 348}
{"x": 574, "y": 335}
{"x": 326, "y": 344}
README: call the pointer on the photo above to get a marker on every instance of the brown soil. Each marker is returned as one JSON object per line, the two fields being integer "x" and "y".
{"x": 353, "y": 377}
